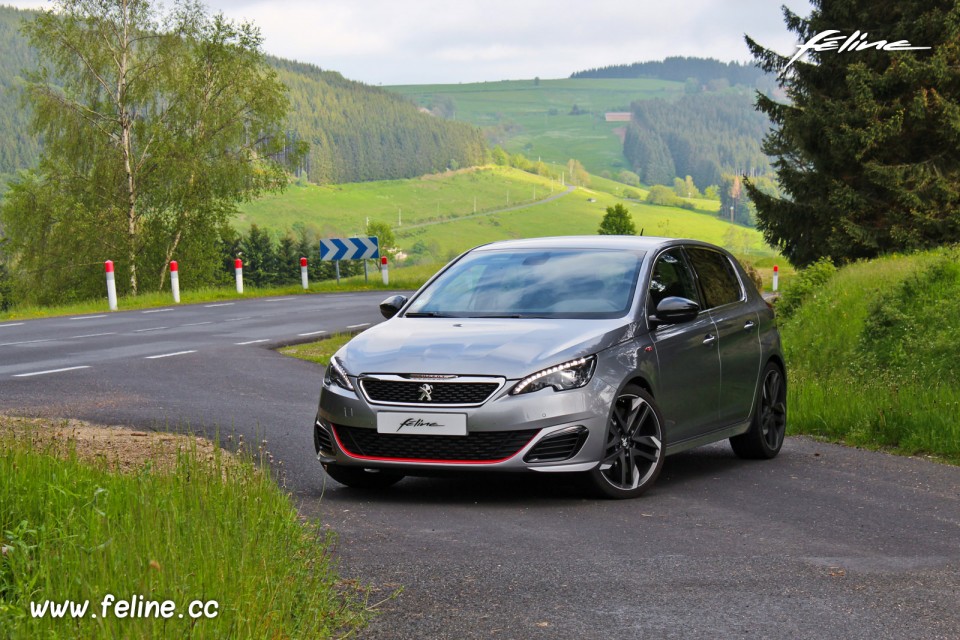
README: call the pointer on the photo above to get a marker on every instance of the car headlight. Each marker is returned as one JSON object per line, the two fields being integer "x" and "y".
{"x": 336, "y": 374}
{"x": 568, "y": 375}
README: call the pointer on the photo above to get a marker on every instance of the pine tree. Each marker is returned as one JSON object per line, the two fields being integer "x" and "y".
{"x": 868, "y": 146}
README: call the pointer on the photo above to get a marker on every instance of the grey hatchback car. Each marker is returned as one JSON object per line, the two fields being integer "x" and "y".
{"x": 595, "y": 355}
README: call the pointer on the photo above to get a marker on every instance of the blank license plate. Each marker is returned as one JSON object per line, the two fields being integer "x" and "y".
{"x": 432, "y": 424}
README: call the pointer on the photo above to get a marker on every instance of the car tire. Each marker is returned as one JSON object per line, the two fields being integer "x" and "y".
{"x": 633, "y": 449}
{"x": 361, "y": 478}
{"x": 769, "y": 424}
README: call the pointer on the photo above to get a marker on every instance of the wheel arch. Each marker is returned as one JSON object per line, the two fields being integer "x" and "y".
{"x": 641, "y": 382}
{"x": 777, "y": 359}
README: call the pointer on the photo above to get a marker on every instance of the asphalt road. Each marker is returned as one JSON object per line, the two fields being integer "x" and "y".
{"x": 822, "y": 542}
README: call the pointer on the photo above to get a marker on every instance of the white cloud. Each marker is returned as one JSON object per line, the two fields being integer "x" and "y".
{"x": 421, "y": 41}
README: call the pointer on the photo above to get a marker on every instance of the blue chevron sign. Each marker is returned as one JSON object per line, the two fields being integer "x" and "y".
{"x": 350, "y": 248}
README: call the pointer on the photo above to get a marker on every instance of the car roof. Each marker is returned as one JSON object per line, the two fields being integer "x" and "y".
{"x": 632, "y": 243}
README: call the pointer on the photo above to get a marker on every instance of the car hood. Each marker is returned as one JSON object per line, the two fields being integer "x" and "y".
{"x": 512, "y": 348}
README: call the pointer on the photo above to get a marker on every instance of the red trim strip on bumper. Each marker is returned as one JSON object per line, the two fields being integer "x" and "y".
{"x": 357, "y": 456}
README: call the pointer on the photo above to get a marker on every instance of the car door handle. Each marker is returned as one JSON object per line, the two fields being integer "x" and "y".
{"x": 710, "y": 339}
{"x": 749, "y": 325}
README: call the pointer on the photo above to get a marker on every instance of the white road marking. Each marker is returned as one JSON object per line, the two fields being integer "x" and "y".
{"x": 10, "y": 344}
{"x": 222, "y": 304}
{"x": 92, "y": 335}
{"x": 252, "y": 342}
{"x": 357, "y": 326}
{"x": 150, "y": 329}
{"x": 167, "y": 355}
{"x": 312, "y": 333}
{"x": 197, "y": 324}
{"x": 43, "y": 373}
{"x": 89, "y": 317}
{"x": 12, "y": 324}
{"x": 157, "y": 310}
{"x": 235, "y": 319}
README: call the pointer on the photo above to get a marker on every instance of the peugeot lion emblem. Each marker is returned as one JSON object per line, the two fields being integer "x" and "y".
{"x": 426, "y": 392}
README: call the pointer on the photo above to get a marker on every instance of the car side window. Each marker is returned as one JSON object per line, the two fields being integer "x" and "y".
{"x": 671, "y": 277}
{"x": 718, "y": 280}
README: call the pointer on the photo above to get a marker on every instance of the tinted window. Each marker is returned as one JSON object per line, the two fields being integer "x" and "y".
{"x": 554, "y": 283}
{"x": 717, "y": 278}
{"x": 671, "y": 277}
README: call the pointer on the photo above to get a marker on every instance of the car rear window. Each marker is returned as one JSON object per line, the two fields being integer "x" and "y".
{"x": 717, "y": 278}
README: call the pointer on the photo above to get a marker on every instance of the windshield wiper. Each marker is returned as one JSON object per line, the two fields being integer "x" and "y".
{"x": 507, "y": 315}
{"x": 425, "y": 314}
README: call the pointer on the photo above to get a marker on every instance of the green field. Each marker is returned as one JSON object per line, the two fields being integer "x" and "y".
{"x": 343, "y": 209}
{"x": 574, "y": 214}
{"x": 439, "y": 220}
{"x": 534, "y": 118}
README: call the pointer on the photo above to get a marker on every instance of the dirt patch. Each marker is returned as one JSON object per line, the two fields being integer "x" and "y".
{"x": 116, "y": 448}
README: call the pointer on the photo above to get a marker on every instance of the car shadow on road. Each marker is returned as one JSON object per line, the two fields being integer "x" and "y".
{"x": 688, "y": 468}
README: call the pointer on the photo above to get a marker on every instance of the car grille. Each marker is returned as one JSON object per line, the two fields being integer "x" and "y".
{"x": 562, "y": 445}
{"x": 484, "y": 446}
{"x": 442, "y": 393}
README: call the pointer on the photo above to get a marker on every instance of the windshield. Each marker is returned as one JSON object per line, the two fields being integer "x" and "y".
{"x": 533, "y": 283}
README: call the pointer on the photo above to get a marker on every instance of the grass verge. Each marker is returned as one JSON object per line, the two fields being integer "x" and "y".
{"x": 320, "y": 351}
{"x": 400, "y": 278}
{"x": 873, "y": 359}
{"x": 211, "y": 527}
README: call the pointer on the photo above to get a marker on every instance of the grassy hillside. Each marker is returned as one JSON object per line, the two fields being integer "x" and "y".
{"x": 439, "y": 220}
{"x": 873, "y": 357}
{"x": 534, "y": 117}
{"x": 575, "y": 214}
{"x": 343, "y": 209}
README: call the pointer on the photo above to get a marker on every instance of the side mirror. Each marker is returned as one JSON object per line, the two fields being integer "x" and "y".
{"x": 392, "y": 305}
{"x": 676, "y": 310}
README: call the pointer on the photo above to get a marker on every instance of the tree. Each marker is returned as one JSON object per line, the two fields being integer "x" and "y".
{"x": 154, "y": 125}
{"x": 617, "y": 222}
{"x": 385, "y": 239}
{"x": 576, "y": 174}
{"x": 663, "y": 196}
{"x": 629, "y": 177}
{"x": 866, "y": 147}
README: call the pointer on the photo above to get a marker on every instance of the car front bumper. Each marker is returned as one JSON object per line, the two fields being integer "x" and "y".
{"x": 526, "y": 432}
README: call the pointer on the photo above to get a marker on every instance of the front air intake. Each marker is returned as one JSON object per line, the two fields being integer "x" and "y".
{"x": 558, "y": 446}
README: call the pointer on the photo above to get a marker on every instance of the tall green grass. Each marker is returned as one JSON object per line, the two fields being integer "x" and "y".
{"x": 873, "y": 356}
{"x": 208, "y": 531}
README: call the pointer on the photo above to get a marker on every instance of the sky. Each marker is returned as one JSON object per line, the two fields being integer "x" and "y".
{"x": 393, "y": 42}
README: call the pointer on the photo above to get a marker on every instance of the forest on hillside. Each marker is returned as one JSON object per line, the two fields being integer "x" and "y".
{"x": 681, "y": 69}
{"x": 356, "y": 132}
{"x": 703, "y": 136}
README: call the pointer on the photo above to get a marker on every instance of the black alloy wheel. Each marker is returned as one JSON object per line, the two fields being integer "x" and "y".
{"x": 633, "y": 448}
{"x": 769, "y": 426}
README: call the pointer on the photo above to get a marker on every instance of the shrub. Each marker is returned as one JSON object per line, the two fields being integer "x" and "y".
{"x": 804, "y": 284}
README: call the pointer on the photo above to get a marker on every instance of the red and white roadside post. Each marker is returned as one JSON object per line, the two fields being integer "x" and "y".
{"x": 776, "y": 277}
{"x": 383, "y": 270}
{"x": 175, "y": 281}
{"x": 303, "y": 273}
{"x": 238, "y": 269}
{"x": 111, "y": 285}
